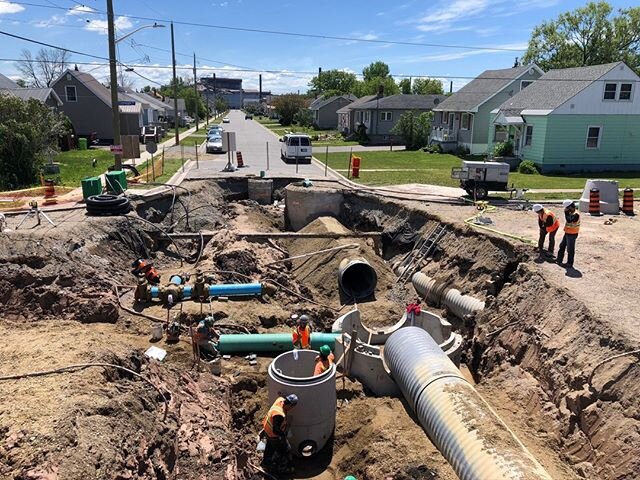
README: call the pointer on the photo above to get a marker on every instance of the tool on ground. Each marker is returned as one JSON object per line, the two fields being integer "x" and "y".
{"x": 145, "y": 269}
{"x": 35, "y": 211}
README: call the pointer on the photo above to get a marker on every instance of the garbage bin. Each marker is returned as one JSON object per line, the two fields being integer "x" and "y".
{"x": 82, "y": 143}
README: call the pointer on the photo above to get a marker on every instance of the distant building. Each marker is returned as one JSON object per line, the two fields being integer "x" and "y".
{"x": 325, "y": 110}
{"x": 45, "y": 95}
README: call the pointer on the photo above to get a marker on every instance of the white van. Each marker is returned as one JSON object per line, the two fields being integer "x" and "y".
{"x": 296, "y": 146}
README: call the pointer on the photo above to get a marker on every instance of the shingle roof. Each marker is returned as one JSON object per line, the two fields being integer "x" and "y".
{"x": 555, "y": 88}
{"x": 403, "y": 102}
{"x": 6, "y": 83}
{"x": 483, "y": 87}
{"x": 41, "y": 94}
{"x": 356, "y": 103}
{"x": 318, "y": 103}
{"x": 153, "y": 102}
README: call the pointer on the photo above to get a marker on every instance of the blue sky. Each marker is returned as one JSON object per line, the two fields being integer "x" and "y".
{"x": 499, "y": 24}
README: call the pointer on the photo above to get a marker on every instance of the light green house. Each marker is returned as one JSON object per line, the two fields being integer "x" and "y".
{"x": 575, "y": 120}
{"x": 462, "y": 120}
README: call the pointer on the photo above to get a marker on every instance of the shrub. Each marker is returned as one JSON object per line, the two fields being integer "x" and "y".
{"x": 503, "y": 149}
{"x": 433, "y": 148}
{"x": 528, "y": 168}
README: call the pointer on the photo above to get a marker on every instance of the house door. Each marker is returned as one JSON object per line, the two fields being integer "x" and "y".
{"x": 517, "y": 140}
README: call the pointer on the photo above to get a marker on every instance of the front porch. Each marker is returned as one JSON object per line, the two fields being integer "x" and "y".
{"x": 508, "y": 128}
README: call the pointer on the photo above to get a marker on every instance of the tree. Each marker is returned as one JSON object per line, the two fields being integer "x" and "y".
{"x": 45, "y": 68}
{"x": 304, "y": 117}
{"x": 220, "y": 105}
{"x": 21, "y": 83}
{"x": 287, "y": 106}
{"x": 190, "y": 100}
{"x": 377, "y": 69}
{"x": 590, "y": 35}
{"x": 414, "y": 129}
{"x": 405, "y": 86}
{"x": 333, "y": 82}
{"x": 372, "y": 86}
{"x": 428, "y": 86}
{"x": 29, "y": 131}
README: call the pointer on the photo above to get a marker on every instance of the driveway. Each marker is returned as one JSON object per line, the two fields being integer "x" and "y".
{"x": 254, "y": 140}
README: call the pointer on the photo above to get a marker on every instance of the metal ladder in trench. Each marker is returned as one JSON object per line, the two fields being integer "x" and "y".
{"x": 421, "y": 250}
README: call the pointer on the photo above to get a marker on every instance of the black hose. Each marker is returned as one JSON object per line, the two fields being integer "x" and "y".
{"x": 107, "y": 204}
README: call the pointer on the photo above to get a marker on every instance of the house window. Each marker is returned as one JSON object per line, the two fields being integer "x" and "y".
{"x": 358, "y": 117}
{"x": 70, "y": 92}
{"x": 625, "y": 91}
{"x": 466, "y": 121}
{"x": 386, "y": 116}
{"x": 525, "y": 83}
{"x": 610, "y": 91}
{"x": 445, "y": 117}
{"x": 366, "y": 117}
{"x": 528, "y": 135}
{"x": 593, "y": 137}
{"x": 500, "y": 134}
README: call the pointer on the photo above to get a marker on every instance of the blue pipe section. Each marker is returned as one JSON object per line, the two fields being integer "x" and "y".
{"x": 155, "y": 292}
{"x": 186, "y": 292}
{"x": 176, "y": 280}
{"x": 235, "y": 290}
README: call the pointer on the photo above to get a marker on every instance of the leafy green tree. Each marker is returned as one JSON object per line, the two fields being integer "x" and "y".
{"x": 414, "y": 129}
{"x": 286, "y": 106}
{"x": 405, "y": 86}
{"x": 333, "y": 82}
{"x": 377, "y": 69}
{"x": 304, "y": 117}
{"x": 372, "y": 86}
{"x": 590, "y": 35}
{"x": 221, "y": 105}
{"x": 29, "y": 131}
{"x": 190, "y": 102}
{"x": 427, "y": 86}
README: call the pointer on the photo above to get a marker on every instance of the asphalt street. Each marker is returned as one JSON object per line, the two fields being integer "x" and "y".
{"x": 253, "y": 141}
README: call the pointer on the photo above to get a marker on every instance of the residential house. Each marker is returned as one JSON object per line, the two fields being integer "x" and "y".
{"x": 347, "y": 121}
{"x": 87, "y": 103}
{"x": 154, "y": 110}
{"x": 380, "y": 114}
{"x": 325, "y": 110}
{"x": 462, "y": 120}
{"x": 575, "y": 120}
{"x": 45, "y": 95}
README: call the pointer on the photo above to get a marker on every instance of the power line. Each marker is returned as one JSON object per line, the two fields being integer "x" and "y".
{"x": 30, "y": 40}
{"x": 293, "y": 34}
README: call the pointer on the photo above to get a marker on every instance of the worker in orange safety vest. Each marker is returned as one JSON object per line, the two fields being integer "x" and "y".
{"x": 277, "y": 453}
{"x": 571, "y": 230}
{"x": 324, "y": 360}
{"x": 549, "y": 224}
{"x": 301, "y": 335}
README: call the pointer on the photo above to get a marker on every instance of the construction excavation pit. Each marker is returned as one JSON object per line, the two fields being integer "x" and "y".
{"x": 152, "y": 345}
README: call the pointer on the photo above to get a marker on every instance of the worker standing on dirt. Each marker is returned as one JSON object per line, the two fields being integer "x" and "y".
{"x": 204, "y": 334}
{"x": 324, "y": 360}
{"x": 549, "y": 224}
{"x": 277, "y": 452}
{"x": 301, "y": 335}
{"x": 571, "y": 230}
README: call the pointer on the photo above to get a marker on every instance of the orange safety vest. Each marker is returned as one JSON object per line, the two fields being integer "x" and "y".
{"x": 572, "y": 228}
{"x": 301, "y": 338}
{"x": 323, "y": 365}
{"x": 546, "y": 214}
{"x": 277, "y": 409}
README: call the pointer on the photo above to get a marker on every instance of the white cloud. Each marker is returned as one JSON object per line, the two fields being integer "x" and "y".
{"x": 380, "y": 14}
{"x": 100, "y": 26}
{"x": 51, "y": 22}
{"x": 80, "y": 9}
{"x": 470, "y": 53}
{"x": 8, "y": 7}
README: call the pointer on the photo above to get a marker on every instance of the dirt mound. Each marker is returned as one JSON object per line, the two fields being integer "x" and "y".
{"x": 319, "y": 273}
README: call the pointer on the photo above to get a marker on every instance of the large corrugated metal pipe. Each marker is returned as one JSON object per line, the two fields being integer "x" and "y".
{"x": 357, "y": 278}
{"x": 470, "y": 435}
{"x": 438, "y": 294}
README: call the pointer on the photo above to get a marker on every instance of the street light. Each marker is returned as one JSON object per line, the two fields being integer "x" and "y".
{"x": 155, "y": 25}
{"x": 113, "y": 80}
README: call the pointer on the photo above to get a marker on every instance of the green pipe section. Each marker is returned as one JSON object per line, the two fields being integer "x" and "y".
{"x": 269, "y": 342}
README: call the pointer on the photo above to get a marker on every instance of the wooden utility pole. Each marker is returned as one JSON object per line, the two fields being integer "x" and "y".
{"x": 113, "y": 74}
{"x": 175, "y": 88}
{"x": 195, "y": 88}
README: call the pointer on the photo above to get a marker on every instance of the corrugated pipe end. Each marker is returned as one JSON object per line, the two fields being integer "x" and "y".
{"x": 357, "y": 278}
{"x": 430, "y": 289}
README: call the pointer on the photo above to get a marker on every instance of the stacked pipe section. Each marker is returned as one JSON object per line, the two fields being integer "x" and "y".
{"x": 312, "y": 422}
{"x": 437, "y": 293}
{"x": 470, "y": 435}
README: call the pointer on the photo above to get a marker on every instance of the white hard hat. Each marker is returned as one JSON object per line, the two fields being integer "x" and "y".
{"x": 567, "y": 203}
{"x": 537, "y": 207}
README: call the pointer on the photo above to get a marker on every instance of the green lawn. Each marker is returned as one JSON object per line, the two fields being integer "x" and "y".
{"x": 435, "y": 169}
{"x": 76, "y": 164}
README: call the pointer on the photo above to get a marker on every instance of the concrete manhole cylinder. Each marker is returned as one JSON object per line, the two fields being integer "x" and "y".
{"x": 357, "y": 278}
{"x": 312, "y": 421}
